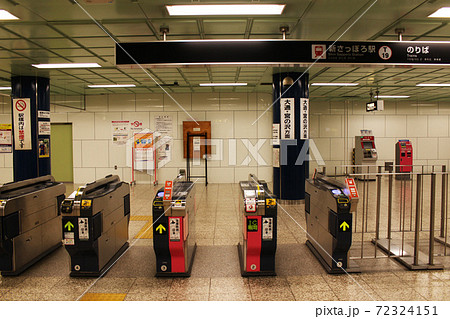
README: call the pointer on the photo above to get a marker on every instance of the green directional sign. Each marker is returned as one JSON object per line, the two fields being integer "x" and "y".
{"x": 68, "y": 226}
{"x": 344, "y": 226}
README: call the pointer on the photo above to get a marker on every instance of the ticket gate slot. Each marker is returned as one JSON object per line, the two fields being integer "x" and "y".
{"x": 403, "y": 159}
{"x": 365, "y": 154}
{"x": 95, "y": 225}
{"x": 258, "y": 243}
{"x": 29, "y": 222}
{"x": 173, "y": 223}
{"x": 329, "y": 208}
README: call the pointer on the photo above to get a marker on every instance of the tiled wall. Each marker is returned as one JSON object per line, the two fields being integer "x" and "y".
{"x": 333, "y": 127}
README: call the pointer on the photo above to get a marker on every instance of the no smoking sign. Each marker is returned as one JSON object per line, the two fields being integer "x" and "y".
{"x": 21, "y": 105}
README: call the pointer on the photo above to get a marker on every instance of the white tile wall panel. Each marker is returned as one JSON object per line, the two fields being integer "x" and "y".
{"x": 252, "y": 100}
{"x": 323, "y": 145}
{"x": 319, "y": 107}
{"x": 205, "y": 102}
{"x": 118, "y": 154}
{"x": 77, "y": 153}
{"x": 83, "y": 175}
{"x": 102, "y": 172}
{"x": 265, "y": 124}
{"x": 359, "y": 107}
{"x": 427, "y": 148}
{"x": 95, "y": 153}
{"x": 6, "y": 175}
{"x": 57, "y": 118}
{"x": 103, "y": 128}
{"x": 314, "y": 127}
{"x": 427, "y": 108}
{"x": 243, "y": 127}
{"x": 97, "y": 103}
{"x": 221, "y": 123}
{"x": 396, "y": 126}
{"x": 355, "y": 124}
{"x": 266, "y": 173}
{"x": 126, "y": 174}
{"x": 177, "y": 102}
{"x": 331, "y": 125}
{"x": 150, "y": 102}
{"x": 416, "y": 126}
{"x": 337, "y": 149}
{"x": 9, "y": 160}
{"x": 221, "y": 175}
{"x": 444, "y": 107}
{"x": 142, "y": 119}
{"x": 407, "y": 107}
{"x": 390, "y": 108}
{"x": 121, "y": 102}
{"x": 339, "y": 107}
{"x": 2, "y": 159}
{"x": 241, "y": 173}
{"x": 264, "y": 101}
{"x": 437, "y": 125}
{"x": 385, "y": 148}
{"x": 83, "y": 125}
{"x": 376, "y": 123}
{"x": 443, "y": 148}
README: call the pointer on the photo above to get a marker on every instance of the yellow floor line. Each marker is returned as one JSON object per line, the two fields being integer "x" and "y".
{"x": 146, "y": 231}
{"x": 140, "y": 218}
{"x": 103, "y": 297}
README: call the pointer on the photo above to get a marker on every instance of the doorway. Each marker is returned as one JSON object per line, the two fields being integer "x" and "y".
{"x": 62, "y": 152}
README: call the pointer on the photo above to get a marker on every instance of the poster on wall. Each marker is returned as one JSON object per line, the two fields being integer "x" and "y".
{"x": 304, "y": 120}
{"x": 276, "y": 157}
{"x": 120, "y": 131}
{"x": 44, "y": 147}
{"x": 276, "y": 134}
{"x": 22, "y": 124}
{"x": 163, "y": 124}
{"x": 5, "y": 138}
{"x": 164, "y": 151}
{"x": 287, "y": 118}
{"x": 44, "y": 128}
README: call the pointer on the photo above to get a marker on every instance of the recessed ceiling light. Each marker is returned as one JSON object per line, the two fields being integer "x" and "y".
{"x": 5, "y": 15}
{"x": 392, "y": 97}
{"x": 433, "y": 84}
{"x": 223, "y": 84}
{"x": 5, "y": 88}
{"x": 96, "y": 86}
{"x": 225, "y": 9}
{"x": 335, "y": 84}
{"x": 66, "y": 65}
{"x": 443, "y": 12}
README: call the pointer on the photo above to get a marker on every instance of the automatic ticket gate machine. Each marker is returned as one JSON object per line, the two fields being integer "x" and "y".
{"x": 95, "y": 221}
{"x": 329, "y": 208}
{"x": 365, "y": 154}
{"x": 173, "y": 224}
{"x": 403, "y": 159}
{"x": 29, "y": 222}
{"x": 258, "y": 243}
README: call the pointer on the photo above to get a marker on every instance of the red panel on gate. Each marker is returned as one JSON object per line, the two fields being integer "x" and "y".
{"x": 176, "y": 246}
{"x": 253, "y": 245}
{"x": 351, "y": 185}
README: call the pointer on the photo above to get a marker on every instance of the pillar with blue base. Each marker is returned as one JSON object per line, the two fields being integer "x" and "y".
{"x": 30, "y": 111}
{"x": 291, "y": 134}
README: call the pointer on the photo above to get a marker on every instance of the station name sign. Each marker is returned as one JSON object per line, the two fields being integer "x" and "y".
{"x": 279, "y": 52}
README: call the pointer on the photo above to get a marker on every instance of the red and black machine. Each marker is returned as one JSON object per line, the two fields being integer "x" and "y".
{"x": 258, "y": 242}
{"x": 173, "y": 221}
{"x": 403, "y": 159}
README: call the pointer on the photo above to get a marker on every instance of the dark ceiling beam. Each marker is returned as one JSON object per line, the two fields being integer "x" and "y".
{"x": 302, "y": 15}
{"x": 443, "y": 24}
{"x": 201, "y": 28}
{"x": 149, "y": 23}
{"x": 248, "y": 28}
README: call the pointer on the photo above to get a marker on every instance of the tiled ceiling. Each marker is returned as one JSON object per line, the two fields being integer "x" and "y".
{"x": 58, "y": 31}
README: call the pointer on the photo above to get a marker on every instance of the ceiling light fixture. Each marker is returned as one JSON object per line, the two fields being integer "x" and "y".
{"x": 433, "y": 84}
{"x": 335, "y": 84}
{"x": 5, "y": 88}
{"x": 223, "y": 84}
{"x": 5, "y": 15}
{"x": 66, "y": 65}
{"x": 98, "y": 86}
{"x": 391, "y": 96}
{"x": 225, "y": 9}
{"x": 443, "y": 12}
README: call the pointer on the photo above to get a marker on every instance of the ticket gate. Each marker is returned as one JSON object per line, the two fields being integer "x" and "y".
{"x": 258, "y": 242}
{"x": 329, "y": 212}
{"x": 95, "y": 221}
{"x": 173, "y": 224}
{"x": 365, "y": 154}
{"x": 29, "y": 222}
{"x": 403, "y": 159}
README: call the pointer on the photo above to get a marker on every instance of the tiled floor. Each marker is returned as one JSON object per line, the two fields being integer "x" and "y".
{"x": 216, "y": 274}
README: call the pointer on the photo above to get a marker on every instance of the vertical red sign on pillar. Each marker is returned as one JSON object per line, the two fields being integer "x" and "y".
{"x": 168, "y": 190}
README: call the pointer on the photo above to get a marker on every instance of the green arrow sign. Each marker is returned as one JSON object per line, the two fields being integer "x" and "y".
{"x": 344, "y": 226}
{"x": 161, "y": 229}
{"x": 69, "y": 226}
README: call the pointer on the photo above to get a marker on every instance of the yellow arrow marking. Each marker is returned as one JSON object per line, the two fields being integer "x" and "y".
{"x": 68, "y": 225}
{"x": 344, "y": 226}
{"x": 160, "y": 228}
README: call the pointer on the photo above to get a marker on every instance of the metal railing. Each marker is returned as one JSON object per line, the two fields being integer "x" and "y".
{"x": 397, "y": 214}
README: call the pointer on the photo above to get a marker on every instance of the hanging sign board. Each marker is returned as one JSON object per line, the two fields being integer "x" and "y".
{"x": 304, "y": 120}
{"x": 287, "y": 119}
{"x": 5, "y": 138}
{"x": 22, "y": 124}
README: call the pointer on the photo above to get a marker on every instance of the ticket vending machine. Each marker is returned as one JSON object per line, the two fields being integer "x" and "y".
{"x": 329, "y": 208}
{"x": 173, "y": 228}
{"x": 403, "y": 159}
{"x": 30, "y": 222}
{"x": 95, "y": 221}
{"x": 258, "y": 242}
{"x": 365, "y": 154}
